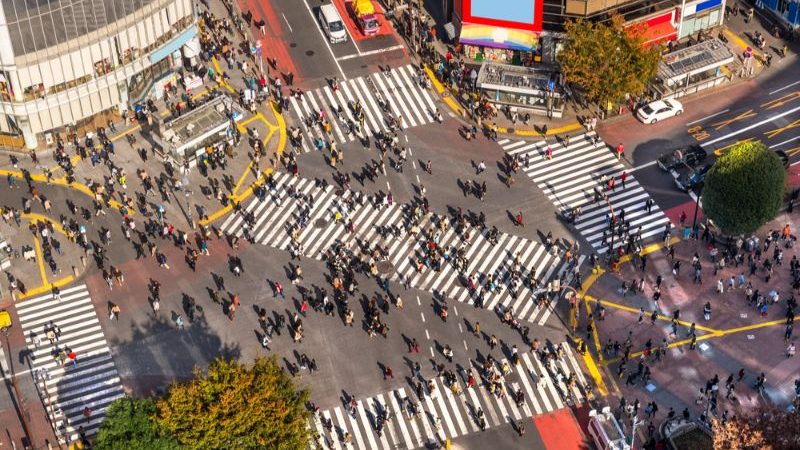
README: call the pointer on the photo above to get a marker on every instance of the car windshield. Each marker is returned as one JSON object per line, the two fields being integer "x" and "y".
{"x": 370, "y": 24}
{"x": 336, "y": 26}
{"x": 647, "y": 109}
{"x": 669, "y": 105}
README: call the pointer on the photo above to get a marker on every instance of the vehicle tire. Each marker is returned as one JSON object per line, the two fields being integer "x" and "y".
{"x": 678, "y": 112}
{"x": 653, "y": 121}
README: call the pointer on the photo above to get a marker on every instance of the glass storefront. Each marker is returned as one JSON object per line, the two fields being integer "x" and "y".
{"x": 701, "y": 21}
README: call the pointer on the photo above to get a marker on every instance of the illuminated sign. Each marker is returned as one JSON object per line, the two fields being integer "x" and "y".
{"x": 516, "y": 14}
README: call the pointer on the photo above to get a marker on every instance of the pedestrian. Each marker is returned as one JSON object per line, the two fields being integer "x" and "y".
{"x": 548, "y": 154}
{"x": 87, "y": 414}
{"x": 387, "y": 373}
{"x": 790, "y": 350}
{"x": 279, "y": 290}
{"x": 476, "y": 329}
{"x": 620, "y": 150}
{"x": 114, "y": 311}
{"x": 398, "y": 302}
{"x": 641, "y": 314}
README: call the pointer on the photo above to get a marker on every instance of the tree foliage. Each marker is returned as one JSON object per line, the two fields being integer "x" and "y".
{"x": 129, "y": 424}
{"x": 237, "y": 406}
{"x": 606, "y": 60}
{"x": 745, "y": 188}
{"x": 765, "y": 428}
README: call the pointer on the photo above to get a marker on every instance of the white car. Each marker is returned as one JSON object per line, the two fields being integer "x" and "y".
{"x": 659, "y": 110}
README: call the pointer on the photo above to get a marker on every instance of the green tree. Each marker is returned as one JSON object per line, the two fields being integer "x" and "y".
{"x": 237, "y": 406}
{"x": 745, "y": 188}
{"x": 129, "y": 424}
{"x": 606, "y": 60}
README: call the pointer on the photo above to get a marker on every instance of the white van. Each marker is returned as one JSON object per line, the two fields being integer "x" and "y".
{"x": 332, "y": 23}
{"x": 605, "y": 431}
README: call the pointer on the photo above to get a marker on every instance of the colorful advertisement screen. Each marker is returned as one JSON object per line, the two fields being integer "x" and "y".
{"x": 517, "y": 14}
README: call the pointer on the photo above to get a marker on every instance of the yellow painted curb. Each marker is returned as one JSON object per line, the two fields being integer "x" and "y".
{"x": 46, "y": 288}
{"x": 35, "y": 217}
{"x": 743, "y": 45}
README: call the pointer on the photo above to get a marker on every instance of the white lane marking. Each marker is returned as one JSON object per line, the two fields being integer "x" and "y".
{"x": 287, "y": 23}
{"x": 785, "y": 87}
{"x": 642, "y": 166}
{"x": 325, "y": 40}
{"x": 750, "y": 127}
{"x": 706, "y": 117}
{"x": 785, "y": 142}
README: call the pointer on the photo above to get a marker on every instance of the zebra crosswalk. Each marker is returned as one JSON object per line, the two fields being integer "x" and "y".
{"x": 272, "y": 221}
{"x": 450, "y": 408}
{"x": 69, "y": 387}
{"x": 399, "y": 92}
{"x": 569, "y": 180}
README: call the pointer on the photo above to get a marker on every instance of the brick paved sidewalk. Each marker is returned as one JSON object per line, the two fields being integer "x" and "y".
{"x": 735, "y": 337}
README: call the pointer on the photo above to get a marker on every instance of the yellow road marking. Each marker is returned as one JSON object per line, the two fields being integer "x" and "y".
{"x": 722, "y": 150}
{"x": 219, "y": 72}
{"x": 40, "y": 260}
{"x": 242, "y": 178}
{"x": 46, "y": 288}
{"x": 264, "y": 174}
{"x": 743, "y": 45}
{"x": 595, "y": 372}
{"x": 34, "y": 217}
{"x": 751, "y": 327}
{"x": 80, "y": 187}
{"x": 781, "y": 100}
{"x": 793, "y": 151}
{"x": 742, "y": 116}
{"x": 664, "y": 318}
{"x": 772, "y": 133}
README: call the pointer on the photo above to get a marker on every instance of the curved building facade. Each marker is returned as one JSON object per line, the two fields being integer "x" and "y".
{"x": 63, "y": 61}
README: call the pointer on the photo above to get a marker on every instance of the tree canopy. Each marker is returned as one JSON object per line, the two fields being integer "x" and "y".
{"x": 129, "y": 424}
{"x": 765, "y": 428}
{"x": 745, "y": 188}
{"x": 237, "y": 406}
{"x": 606, "y": 60}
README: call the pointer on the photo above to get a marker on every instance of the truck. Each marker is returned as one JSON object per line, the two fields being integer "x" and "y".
{"x": 606, "y": 431}
{"x": 364, "y": 13}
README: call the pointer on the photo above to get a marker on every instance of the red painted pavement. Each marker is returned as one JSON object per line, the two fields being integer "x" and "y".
{"x": 674, "y": 213}
{"x": 560, "y": 431}
{"x": 274, "y": 42}
{"x": 349, "y": 19}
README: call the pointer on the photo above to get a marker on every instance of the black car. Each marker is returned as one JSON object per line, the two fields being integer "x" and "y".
{"x": 693, "y": 179}
{"x": 690, "y": 156}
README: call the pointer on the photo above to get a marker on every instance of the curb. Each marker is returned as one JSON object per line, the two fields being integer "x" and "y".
{"x": 446, "y": 96}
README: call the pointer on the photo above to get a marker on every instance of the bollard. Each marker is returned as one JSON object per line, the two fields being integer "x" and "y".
{"x": 83, "y": 261}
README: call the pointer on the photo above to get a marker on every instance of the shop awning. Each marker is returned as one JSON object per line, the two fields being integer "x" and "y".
{"x": 498, "y": 37}
{"x": 662, "y": 32}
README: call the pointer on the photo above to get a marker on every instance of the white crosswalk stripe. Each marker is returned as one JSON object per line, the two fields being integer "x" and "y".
{"x": 400, "y": 90}
{"x": 271, "y": 223}
{"x": 69, "y": 388}
{"x": 448, "y": 412}
{"x": 569, "y": 180}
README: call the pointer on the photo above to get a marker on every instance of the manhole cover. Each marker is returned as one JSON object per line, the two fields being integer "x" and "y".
{"x": 309, "y": 52}
{"x": 385, "y": 267}
{"x": 510, "y": 130}
{"x": 319, "y": 223}
{"x": 293, "y": 45}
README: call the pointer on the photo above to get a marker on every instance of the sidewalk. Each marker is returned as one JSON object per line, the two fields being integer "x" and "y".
{"x": 186, "y": 197}
{"x": 735, "y": 336}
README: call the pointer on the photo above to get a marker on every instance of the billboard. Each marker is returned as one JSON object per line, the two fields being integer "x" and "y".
{"x": 514, "y": 14}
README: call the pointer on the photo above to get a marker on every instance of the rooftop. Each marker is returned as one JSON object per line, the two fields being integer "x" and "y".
{"x": 505, "y": 75}
{"x": 37, "y": 24}
{"x": 697, "y": 57}
{"x": 197, "y": 123}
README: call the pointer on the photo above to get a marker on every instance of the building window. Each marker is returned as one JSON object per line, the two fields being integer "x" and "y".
{"x": 783, "y": 6}
{"x": 34, "y": 92}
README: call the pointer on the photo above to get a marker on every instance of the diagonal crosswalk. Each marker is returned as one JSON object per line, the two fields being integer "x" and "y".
{"x": 398, "y": 92}
{"x": 70, "y": 388}
{"x": 271, "y": 223}
{"x": 570, "y": 178}
{"x": 450, "y": 409}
